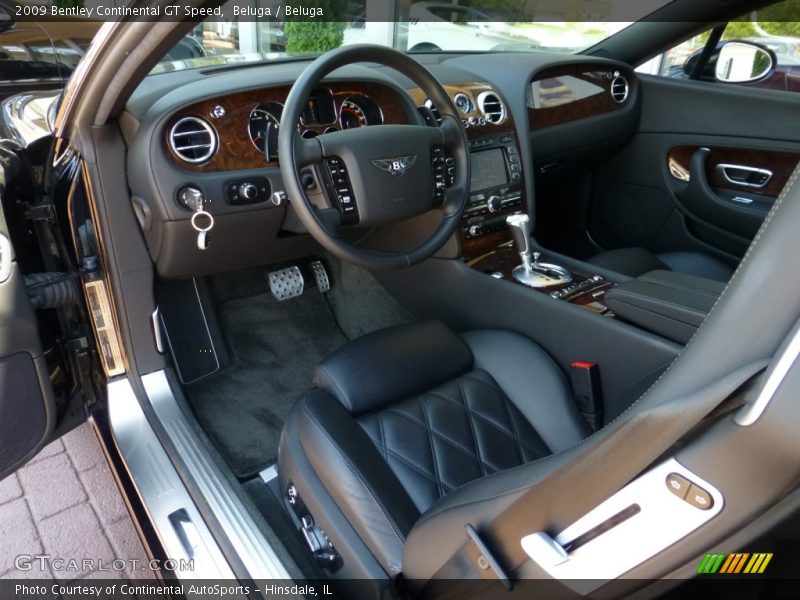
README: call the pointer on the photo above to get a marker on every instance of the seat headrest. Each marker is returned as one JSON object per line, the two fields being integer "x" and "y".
{"x": 393, "y": 364}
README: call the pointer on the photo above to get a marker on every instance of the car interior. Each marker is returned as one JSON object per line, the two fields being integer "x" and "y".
{"x": 397, "y": 295}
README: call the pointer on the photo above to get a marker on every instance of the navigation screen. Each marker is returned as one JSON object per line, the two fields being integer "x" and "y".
{"x": 488, "y": 169}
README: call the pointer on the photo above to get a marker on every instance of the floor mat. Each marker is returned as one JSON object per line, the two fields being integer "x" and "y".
{"x": 275, "y": 347}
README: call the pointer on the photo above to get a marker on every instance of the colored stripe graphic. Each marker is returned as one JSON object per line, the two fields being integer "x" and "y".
{"x": 734, "y": 563}
{"x": 711, "y": 563}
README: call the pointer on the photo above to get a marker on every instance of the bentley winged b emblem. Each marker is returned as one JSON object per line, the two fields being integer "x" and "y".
{"x": 395, "y": 166}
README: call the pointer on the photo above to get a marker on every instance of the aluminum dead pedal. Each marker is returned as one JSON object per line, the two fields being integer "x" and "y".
{"x": 286, "y": 283}
{"x": 321, "y": 275}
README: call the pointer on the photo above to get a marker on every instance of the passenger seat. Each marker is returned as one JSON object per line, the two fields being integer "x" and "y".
{"x": 638, "y": 261}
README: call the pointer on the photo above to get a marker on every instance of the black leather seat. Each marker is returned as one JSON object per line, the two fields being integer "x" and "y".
{"x": 638, "y": 261}
{"x": 404, "y": 416}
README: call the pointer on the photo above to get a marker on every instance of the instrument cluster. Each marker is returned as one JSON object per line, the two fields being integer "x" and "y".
{"x": 324, "y": 113}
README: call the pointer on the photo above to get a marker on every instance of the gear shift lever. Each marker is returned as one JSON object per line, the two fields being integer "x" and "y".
{"x": 531, "y": 272}
{"x": 520, "y": 226}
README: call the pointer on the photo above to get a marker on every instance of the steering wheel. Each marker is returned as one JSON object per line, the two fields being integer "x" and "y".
{"x": 379, "y": 174}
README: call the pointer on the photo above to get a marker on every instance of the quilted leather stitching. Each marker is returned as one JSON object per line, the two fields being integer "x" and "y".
{"x": 438, "y": 435}
{"x": 511, "y": 432}
{"x": 484, "y": 468}
{"x": 445, "y": 438}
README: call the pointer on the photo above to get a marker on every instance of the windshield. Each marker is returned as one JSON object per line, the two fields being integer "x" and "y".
{"x": 262, "y": 30}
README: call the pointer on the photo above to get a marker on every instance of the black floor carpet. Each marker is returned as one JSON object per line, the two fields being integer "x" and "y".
{"x": 275, "y": 347}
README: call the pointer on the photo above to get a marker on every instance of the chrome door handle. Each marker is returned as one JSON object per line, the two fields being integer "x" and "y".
{"x": 750, "y": 177}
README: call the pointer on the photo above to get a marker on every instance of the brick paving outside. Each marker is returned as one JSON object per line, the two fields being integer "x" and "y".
{"x": 65, "y": 503}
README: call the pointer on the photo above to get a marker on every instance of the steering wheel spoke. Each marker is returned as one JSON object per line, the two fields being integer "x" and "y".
{"x": 307, "y": 152}
{"x": 452, "y": 133}
{"x": 330, "y": 219}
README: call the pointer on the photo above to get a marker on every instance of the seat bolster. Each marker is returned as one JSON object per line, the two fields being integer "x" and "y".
{"x": 358, "y": 479}
{"x": 533, "y": 382}
{"x": 392, "y": 363}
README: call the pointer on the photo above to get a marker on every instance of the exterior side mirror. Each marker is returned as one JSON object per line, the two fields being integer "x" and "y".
{"x": 743, "y": 62}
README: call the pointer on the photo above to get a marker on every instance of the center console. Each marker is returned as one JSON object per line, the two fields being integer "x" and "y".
{"x": 495, "y": 192}
{"x": 495, "y": 229}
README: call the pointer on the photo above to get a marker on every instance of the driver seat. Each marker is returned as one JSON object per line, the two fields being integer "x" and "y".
{"x": 402, "y": 417}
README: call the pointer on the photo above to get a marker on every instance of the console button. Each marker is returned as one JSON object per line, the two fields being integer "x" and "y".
{"x": 699, "y": 498}
{"x": 678, "y": 485}
{"x": 494, "y": 204}
{"x": 248, "y": 191}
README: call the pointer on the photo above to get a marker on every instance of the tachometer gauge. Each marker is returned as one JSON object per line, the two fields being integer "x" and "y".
{"x": 263, "y": 127}
{"x": 351, "y": 115}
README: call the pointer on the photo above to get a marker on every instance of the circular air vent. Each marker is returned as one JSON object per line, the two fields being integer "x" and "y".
{"x": 619, "y": 89}
{"x": 192, "y": 139}
{"x": 492, "y": 107}
{"x": 434, "y": 111}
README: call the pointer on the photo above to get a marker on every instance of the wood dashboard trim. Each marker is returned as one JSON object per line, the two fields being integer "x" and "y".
{"x": 236, "y": 151}
{"x": 567, "y": 111}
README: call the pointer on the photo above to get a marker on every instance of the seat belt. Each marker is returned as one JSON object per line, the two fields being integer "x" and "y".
{"x": 631, "y": 447}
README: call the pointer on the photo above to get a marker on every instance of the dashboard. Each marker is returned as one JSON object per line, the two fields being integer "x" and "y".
{"x": 217, "y": 131}
{"x": 240, "y": 130}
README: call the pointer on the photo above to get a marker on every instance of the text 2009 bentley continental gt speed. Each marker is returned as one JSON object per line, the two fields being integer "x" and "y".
{"x": 416, "y": 299}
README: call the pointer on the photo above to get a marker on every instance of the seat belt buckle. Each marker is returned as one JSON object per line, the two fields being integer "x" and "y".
{"x": 585, "y": 379}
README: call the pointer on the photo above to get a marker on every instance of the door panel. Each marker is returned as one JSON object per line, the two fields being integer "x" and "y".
{"x": 702, "y": 172}
{"x": 27, "y": 406}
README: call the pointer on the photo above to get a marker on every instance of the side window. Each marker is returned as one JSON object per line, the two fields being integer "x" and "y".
{"x": 776, "y": 28}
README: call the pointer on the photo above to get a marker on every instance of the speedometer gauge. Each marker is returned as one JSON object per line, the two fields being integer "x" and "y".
{"x": 351, "y": 115}
{"x": 263, "y": 128}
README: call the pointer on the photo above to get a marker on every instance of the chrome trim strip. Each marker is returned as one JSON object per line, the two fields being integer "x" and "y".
{"x": 252, "y": 548}
{"x": 155, "y": 323}
{"x": 750, "y": 413}
{"x": 161, "y": 488}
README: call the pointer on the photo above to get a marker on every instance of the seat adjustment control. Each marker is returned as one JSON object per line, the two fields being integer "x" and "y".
{"x": 689, "y": 492}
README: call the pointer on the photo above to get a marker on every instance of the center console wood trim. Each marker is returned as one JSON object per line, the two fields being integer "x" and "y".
{"x": 501, "y": 261}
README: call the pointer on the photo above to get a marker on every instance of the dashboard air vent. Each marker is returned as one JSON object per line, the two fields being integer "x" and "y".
{"x": 193, "y": 140}
{"x": 492, "y": 107}
{"x": 434, "y": 111}
{"x": 619, "y": 89}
